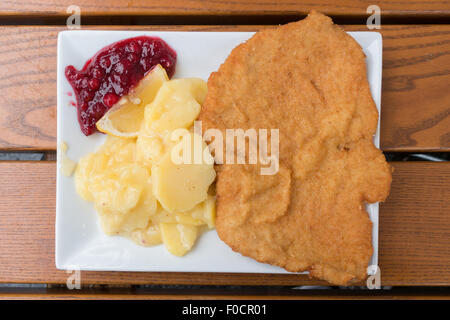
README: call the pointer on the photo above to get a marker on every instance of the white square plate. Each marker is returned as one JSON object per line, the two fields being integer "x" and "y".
{"x": 80, "y": 243}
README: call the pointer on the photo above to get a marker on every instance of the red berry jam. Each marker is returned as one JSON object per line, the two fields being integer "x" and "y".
{"x": 112, "y": 72}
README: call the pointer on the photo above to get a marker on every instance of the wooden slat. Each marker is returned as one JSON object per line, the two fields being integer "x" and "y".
{"x": 415, "y": 99}
{"x": 414, "y": 232}
{"x": 274, "y": 293}
{"x": 224, "y": 7}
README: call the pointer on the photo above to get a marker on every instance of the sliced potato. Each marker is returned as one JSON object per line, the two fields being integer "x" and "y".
{"x": 178, "y": 238}
{"x": 193, "y": 217}
{"x": 150, "y": 148}
{"x": 206, "y": 212}
{"x": 140, "y": 215}
{"x": 176, "y": 105}
{"x": 139, "y": 186}
{"x": 180, "y": 187}
{"x": 188, "y": 219}
{"x": 149, "y": 236}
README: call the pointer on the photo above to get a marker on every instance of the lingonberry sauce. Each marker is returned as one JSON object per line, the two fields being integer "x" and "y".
{"x": 112, "y": 72}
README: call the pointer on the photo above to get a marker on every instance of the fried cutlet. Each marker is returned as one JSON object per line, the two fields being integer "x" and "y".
{"x": 307, "y": 79}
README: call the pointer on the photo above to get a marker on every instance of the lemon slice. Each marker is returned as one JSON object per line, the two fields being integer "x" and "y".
{"x": 125, "y": 117}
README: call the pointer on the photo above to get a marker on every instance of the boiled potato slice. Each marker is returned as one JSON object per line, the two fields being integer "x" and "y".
{"x": 178, "y": 238}
{"x": 188, "y": 219}
{"x": 206, "y": 212}
{"x": 176, "y": 105}
{"x": 151, "y": 147}
{"x": 162, "y": 216}
{"x": 115, "y": 222}
{"x": 110, "y": 221}
{"x": 180, "y": 115}
{"x": 139, "y": 216}
{"x": 147, "y": 237}
{"x": 180, "y": 187}
{"x": 210, "y": 211}
{"x": 114, "y": 197}
{"x": 120, "y": 188}
{"x": 124, "y": 199}
{"x": 83, "y": 174}
{"x": 93, "y": 169}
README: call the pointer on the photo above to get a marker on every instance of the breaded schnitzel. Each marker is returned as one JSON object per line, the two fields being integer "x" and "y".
{"x": 307, "y": 79}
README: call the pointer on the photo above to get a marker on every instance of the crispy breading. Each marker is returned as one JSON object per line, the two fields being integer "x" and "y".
{"x": 307, "y": 79}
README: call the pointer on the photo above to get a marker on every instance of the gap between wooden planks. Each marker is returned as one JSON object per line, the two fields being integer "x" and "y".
{"x": 415, "y": 97}
{"x": 414, "y": 233}
{"x": 388, "y": 8}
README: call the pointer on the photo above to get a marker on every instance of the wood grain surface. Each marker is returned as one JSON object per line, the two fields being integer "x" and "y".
{"x": 252, "y": 293}
{"x": 415, "y": 96}
{"x": 413, "y": 241}
{"x": 225, "y": 7}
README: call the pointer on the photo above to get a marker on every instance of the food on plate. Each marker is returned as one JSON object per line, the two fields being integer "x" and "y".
{"x": 67, "y": 165}
{"x": 177, "y": 105}
{"x": 307, "y": 79}
{"x": 180, "y": 187}
{"x": 113, "y": 72}
{"x": 152, "y": 199}
{"x": 178, "y": 237}
{"x": 124, "y": 119}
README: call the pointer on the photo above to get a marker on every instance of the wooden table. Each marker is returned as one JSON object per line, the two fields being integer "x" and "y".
{"x": 414, "y": 238}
